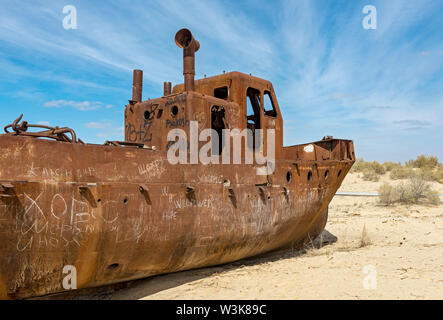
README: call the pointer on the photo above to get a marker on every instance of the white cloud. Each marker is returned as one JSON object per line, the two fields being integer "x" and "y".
{"x": 106, "y": 130}
{"x": 326, "y": 69}
{"x": 79, "y": 105}
{"x": 112, "y": 133}
{"x": 98, "y": 125}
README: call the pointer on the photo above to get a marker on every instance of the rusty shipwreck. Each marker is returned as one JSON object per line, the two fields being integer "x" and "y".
{"x": 122, "y": 211}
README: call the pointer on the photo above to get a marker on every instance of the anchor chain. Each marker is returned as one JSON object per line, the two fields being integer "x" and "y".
{"x": 56, "y": 133}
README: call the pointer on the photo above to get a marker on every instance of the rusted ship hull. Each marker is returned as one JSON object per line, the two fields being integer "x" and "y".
{"x": 127, "y": 210}
{"x": 118, "y": 214}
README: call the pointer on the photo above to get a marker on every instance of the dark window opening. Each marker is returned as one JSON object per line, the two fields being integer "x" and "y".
{"x": 113, "y": 266}
{"x": 174, "y": 111}
{"x": 268, "y": 105}
{"x": 309, "y": 176}
{"x": 218, "y": 123}
{"x": 288, "y": 176}
{"x": 253, "y": 115}
{"x": 221, "y": 93}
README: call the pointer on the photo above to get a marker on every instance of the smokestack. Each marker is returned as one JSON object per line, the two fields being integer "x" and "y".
{"x": 185, "y": 40}
{"x": 167, "y": 89}
{"x": 137, "y": 86}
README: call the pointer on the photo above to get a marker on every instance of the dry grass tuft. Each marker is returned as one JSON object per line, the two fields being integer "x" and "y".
{"x": 364, "y": 239}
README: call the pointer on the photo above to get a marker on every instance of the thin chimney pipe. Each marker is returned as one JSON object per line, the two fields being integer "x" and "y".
{"x": 137, "y": 86}
{"x": 167, "y": 88}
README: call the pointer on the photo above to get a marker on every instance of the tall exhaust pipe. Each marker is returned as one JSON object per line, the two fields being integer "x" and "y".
{"x": 185, "y": 40}
{"x": 137, "y": 86}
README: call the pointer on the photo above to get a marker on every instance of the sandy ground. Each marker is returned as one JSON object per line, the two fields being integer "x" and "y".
{"x": 401, "y": 251}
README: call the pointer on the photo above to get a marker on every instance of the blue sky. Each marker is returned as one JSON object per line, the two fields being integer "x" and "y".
{"x": 383, "y": 88}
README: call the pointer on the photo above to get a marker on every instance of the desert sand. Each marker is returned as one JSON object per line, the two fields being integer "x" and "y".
{"x": 402, "y": 244}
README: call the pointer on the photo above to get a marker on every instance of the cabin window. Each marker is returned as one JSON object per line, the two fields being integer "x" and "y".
{"x": 309, "y": 176}
{"x": 268, "y": 106}
{"x": 218, "y": 123}
{"x": 174, "y": 111}
{"x": 253, "y": 115}
{"x": 221, "y": 93}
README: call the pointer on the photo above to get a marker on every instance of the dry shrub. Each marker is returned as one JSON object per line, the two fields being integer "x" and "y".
{"x": 405, "y": 195}
{"x": 371, "y": 170}
{"x": 429, "y": 167}
{"x": 409, "y": 163}
{"x": 359, "y": 165}
{"x": 389, "y": 165}
{"x": 388, "y": 194}
{"x": 401, "y": 173}
{"x": 426, "y": 173}
{"x": 414, "y": 191}
{"x": 418, "y": 186}
{"x": 438, "y": 174}
{"x": 371, "y": 175}
{"x": 423, "y": 161}
{"x": 433, "y": 174}
{"x": 377, "y": 167}
{"x": 433, "y": 197}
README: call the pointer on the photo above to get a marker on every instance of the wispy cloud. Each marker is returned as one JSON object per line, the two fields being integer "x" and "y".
{"x": 115, "y": 134}
{"x": 105, "y": 130}
{"x": 413, "y": 122}
{"x": 82, "y": 105}
{"x": 98, "y": 125}
{"x": 332, "y": 77}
